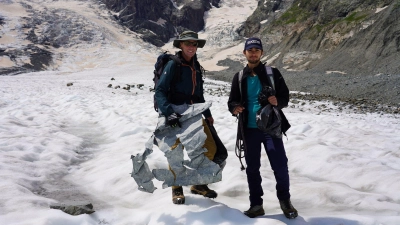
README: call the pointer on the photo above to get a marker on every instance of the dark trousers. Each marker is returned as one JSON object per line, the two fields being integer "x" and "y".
{"x": 278, "y": 161}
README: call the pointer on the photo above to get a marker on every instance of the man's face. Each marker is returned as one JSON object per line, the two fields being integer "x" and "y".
{"x": 253, "y": 55}
{"x": 189, "y": 48}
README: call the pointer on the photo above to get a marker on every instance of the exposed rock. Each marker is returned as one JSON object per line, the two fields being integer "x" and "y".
{"x": 345, "y": 49}
{"x": 38, "y": 33}
{"x": 58, "y": 27}
{"x": 355, "y": 37}
{"x": 128, "y": 87}
{"x": 359, "y": 105}
{"x": 75, "y": 210}
{"x": 39, "y": 59}
{"x": 1, "y": 21}
{"x": 160, "y": 20}
{"x": 265, "y": 11}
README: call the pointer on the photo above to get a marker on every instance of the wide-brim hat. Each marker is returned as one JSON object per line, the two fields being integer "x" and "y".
{"x": 189, "y": 35}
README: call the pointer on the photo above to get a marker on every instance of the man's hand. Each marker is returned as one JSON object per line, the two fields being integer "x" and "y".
{"x": 272, "y": 100}
{"x": 211, "y": 120}
{"x": 173, "y": 119}
{"x": 237, "y": 110}
{"x": 267, "y": 96}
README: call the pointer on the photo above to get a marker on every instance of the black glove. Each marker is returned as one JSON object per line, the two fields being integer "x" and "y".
{"x": 266, "y": 92}
{"x": 173, "y": 119}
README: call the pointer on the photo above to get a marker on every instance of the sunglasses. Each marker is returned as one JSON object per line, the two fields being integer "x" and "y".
{"x": 190, "y": 43}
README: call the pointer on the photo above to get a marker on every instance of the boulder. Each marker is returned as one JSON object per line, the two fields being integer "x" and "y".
{"x": 75, "y": 210}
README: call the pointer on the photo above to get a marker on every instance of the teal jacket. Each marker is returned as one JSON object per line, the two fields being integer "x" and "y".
{"x": 186, "y": 88}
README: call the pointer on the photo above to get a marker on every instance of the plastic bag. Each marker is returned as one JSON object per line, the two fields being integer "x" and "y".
{"x": 269, "y": 121}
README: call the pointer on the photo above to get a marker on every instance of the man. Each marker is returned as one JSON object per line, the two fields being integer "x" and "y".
{"x": 245, "y": 101}
{"x": 174, "y": 95}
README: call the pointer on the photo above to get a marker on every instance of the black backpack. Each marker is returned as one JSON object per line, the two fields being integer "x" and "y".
{"x": 162, "y": 60}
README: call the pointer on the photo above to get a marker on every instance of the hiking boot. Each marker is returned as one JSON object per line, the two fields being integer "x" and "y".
{"x": 203, "y": 190}
{"x": 255, "y": 211}
{"x": 288, "y": 209}
{"x": 177, "y": 195}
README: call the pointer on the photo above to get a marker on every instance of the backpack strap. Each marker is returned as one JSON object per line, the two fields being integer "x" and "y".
{"x": 270, "y": 76}
{"x": 177, "y": 65}
{"x": 162, "y": 60}
{"x": 240, "y": 77}
{"x": 201, "y": 68}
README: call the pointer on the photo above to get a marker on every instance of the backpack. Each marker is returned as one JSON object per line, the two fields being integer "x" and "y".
{"x": 162, "y": 60}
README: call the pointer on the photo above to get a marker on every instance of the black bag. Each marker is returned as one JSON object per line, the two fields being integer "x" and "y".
{"x": 222, "y": 153}
{"x": 269, "y": 120}
{"x": 162, "y": 60}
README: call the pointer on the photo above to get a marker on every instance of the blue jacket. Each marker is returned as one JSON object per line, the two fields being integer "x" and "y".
{"x": 186, "y": 88}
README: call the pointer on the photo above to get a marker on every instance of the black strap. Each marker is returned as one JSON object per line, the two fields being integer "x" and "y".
{"x": 240, "y": 142}
{"x": 177, "y": 76}
{"x": 270, "y": 76}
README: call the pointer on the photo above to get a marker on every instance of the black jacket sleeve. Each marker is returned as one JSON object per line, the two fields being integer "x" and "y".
{"x": 235, "y": 98}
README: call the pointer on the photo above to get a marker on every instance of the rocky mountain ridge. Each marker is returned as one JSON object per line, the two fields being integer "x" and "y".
{"x": 35, "y": 42}
{"x": 347, "y": 49}
{"x": 317, "y": 36}
{"x": 159, "y": 20}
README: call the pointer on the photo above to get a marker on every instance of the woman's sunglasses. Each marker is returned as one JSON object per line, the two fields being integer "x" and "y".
{"x": 190, "y": 43}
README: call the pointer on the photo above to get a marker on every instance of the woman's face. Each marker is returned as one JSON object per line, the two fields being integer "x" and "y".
{"x": 189, "y": 49}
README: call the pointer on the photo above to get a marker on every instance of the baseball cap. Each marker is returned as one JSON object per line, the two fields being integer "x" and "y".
{"x": 253, "y": 42}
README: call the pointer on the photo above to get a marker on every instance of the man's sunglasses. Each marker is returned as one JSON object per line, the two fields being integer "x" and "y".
{"x": 190, "y": 43}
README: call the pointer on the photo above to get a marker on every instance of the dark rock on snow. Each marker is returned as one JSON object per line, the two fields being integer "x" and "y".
{"x": 75, "y": 210}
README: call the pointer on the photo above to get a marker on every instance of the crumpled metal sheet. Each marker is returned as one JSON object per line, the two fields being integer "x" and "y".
{"x": 141, "y": 172}
{"x": 198, "y": 170}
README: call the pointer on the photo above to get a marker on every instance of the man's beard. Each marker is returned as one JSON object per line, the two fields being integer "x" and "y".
{"x": 254, "y": 61}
